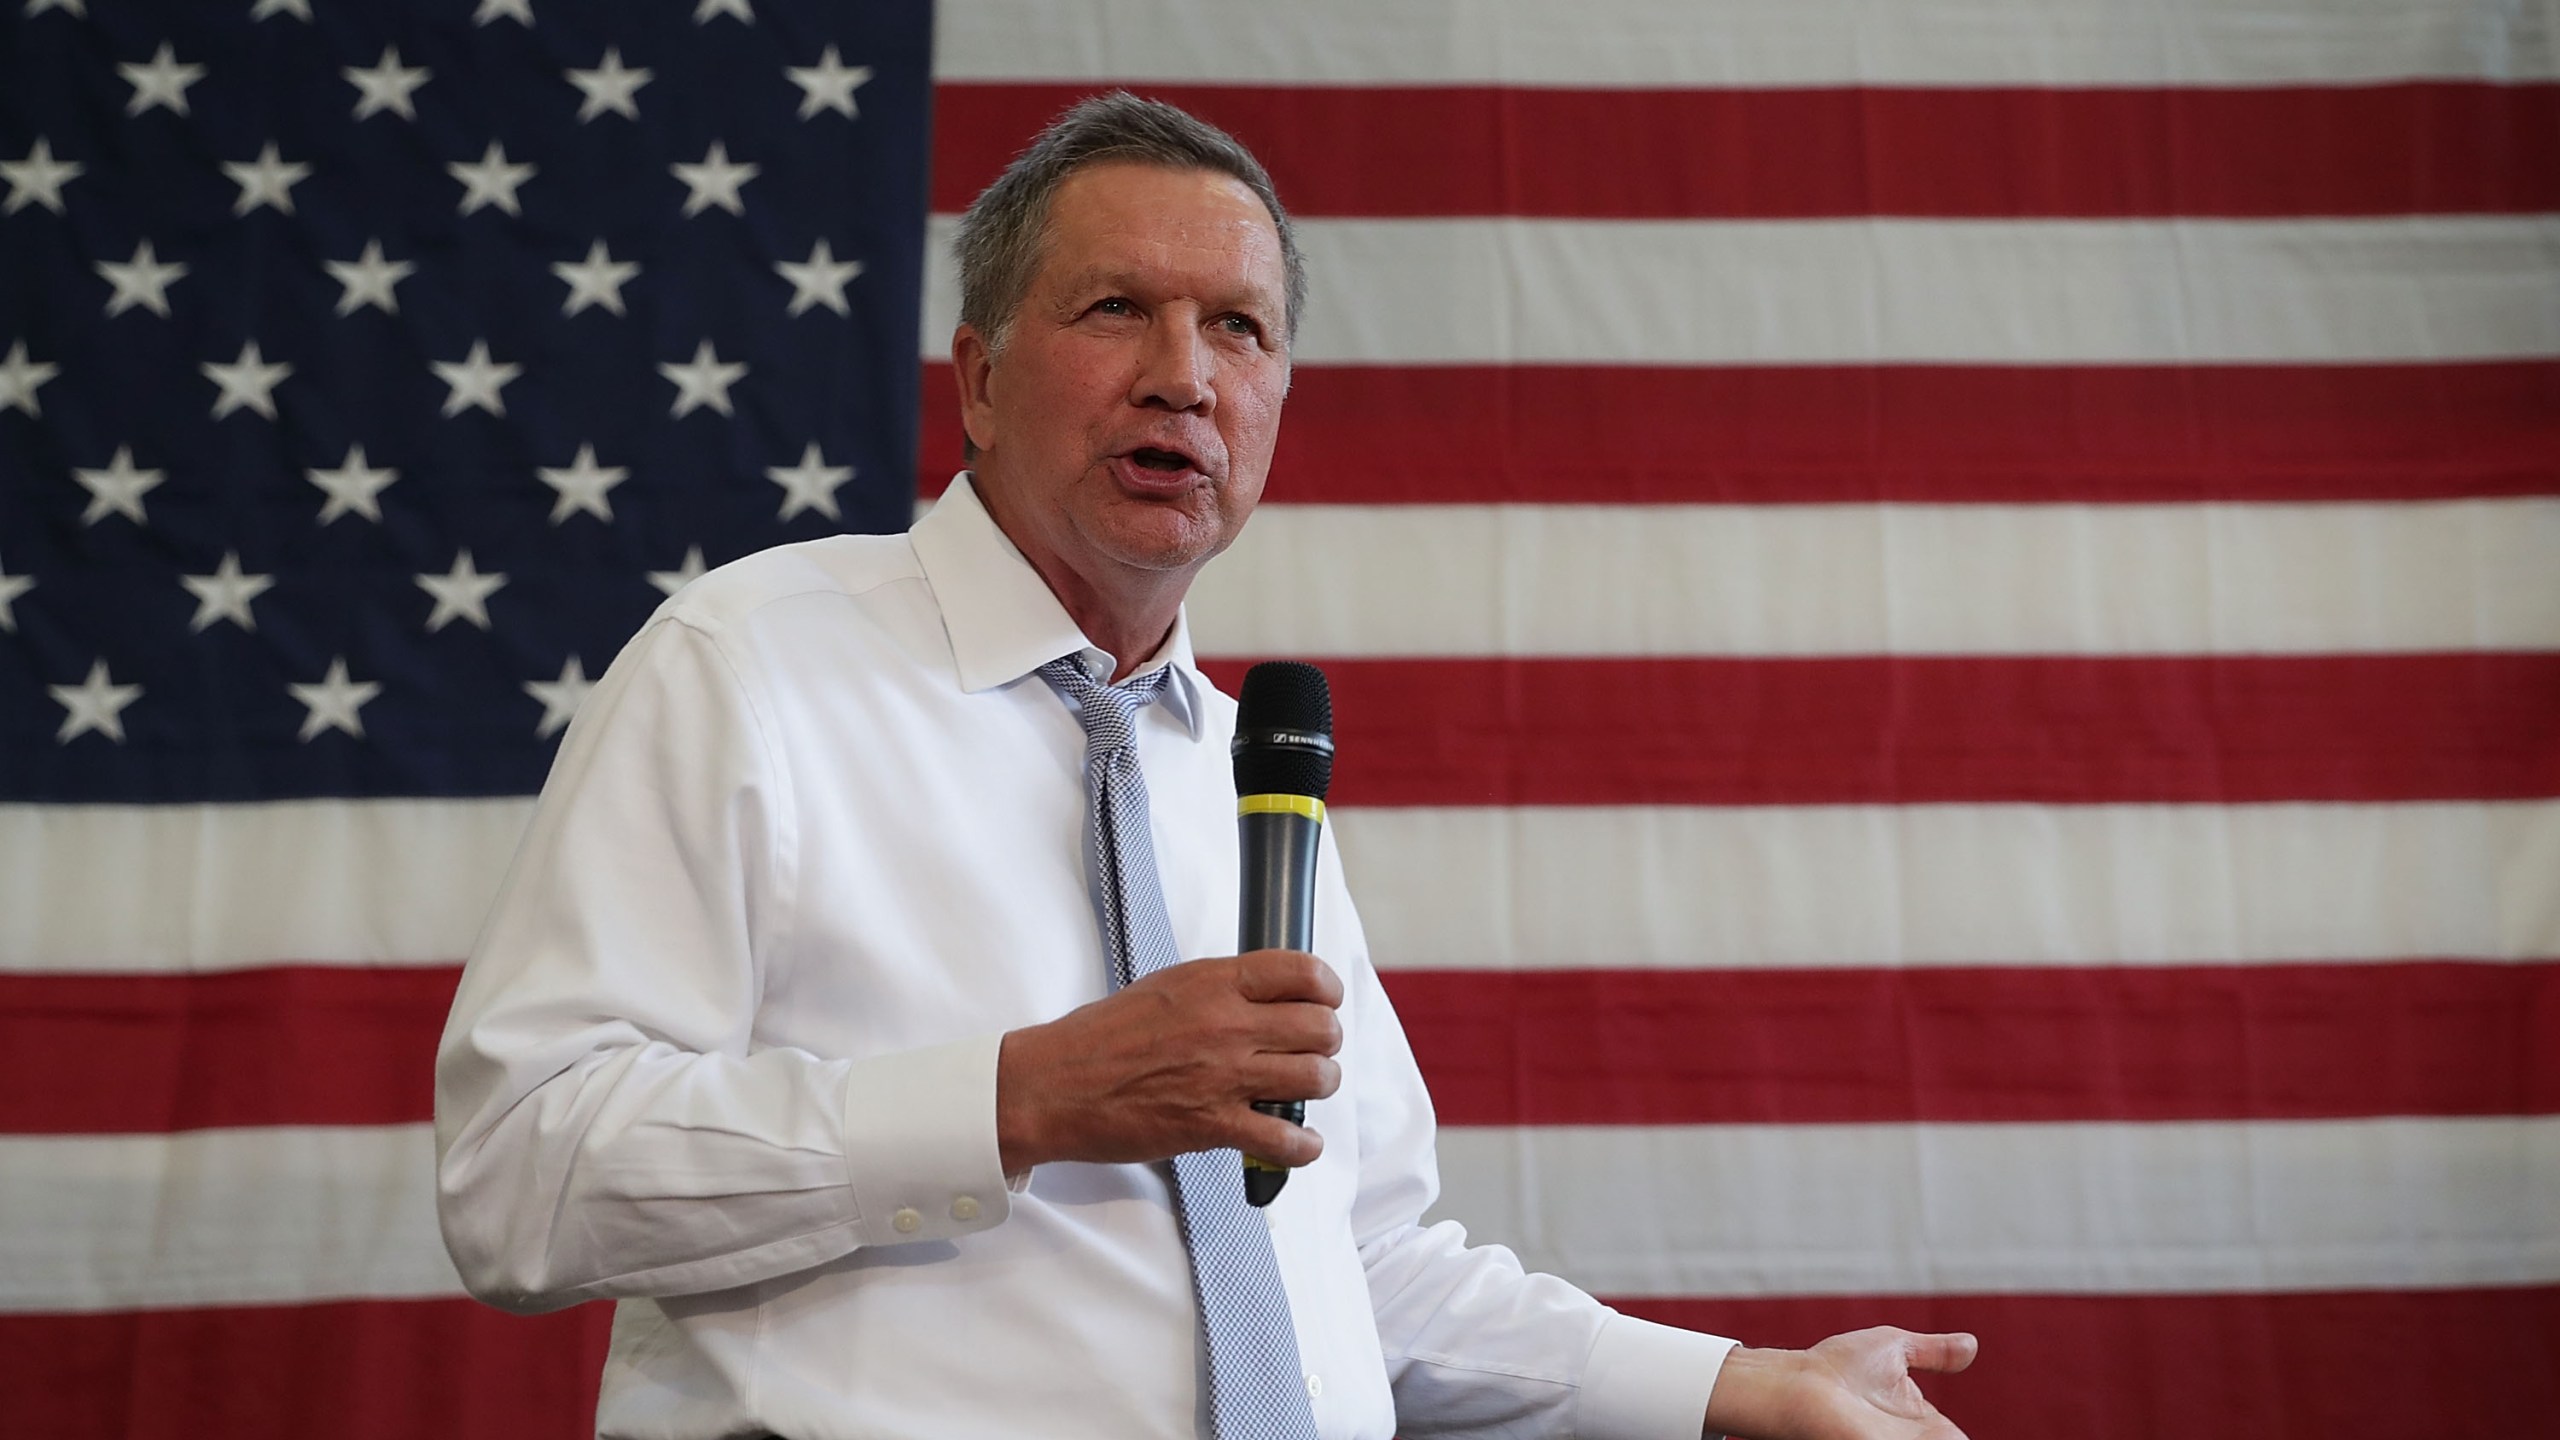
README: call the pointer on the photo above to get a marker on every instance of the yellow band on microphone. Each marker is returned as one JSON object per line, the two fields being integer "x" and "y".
{"x": 1306, "y": 805}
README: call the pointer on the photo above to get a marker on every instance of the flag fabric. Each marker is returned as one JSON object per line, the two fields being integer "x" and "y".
{"x": 1945, "y": 621}
{"x": 368, "y": 373}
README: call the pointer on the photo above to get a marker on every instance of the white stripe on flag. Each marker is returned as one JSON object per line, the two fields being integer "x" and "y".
{"x": 1737, "y": 292}
{"x": 174, "y": 888}
{"x": 1885, "y": 579}
{"x": 1602, "y": 43}
{"x": 2060, "y": 1209}
{"x": 231, "y": 1217}
{"x": 219, "y": 1217}
{"x": 408, "y": 881}
{"x": 1859, "y": 885}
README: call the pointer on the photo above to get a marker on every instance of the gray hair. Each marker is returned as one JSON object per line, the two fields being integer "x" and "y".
{"x": 1002, "y": 238}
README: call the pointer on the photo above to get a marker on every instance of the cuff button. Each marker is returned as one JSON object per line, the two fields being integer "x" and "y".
{"x": 906, "y": 1221}
{"x": 965, "y": 1209}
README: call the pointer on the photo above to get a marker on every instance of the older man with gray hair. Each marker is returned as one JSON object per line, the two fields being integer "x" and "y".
{"x": 861, "y": 1011}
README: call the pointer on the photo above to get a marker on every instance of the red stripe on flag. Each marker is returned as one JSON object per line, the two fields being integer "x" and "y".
{"x": 2212, "y": 1367}
{"x": 2414, "y": 148}
{"x": 292, "y": 1045}
{"x": 384, "y": 1370}
{"x": 2263, "y": 1042}
{"x": 1918, "y": 729}
{"x": 1595, "y": 434}
{"x": 2205, "y": 1367}
{"x": 356, "y": 1047}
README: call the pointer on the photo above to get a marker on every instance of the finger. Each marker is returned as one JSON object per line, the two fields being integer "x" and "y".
{"x": 1264, "y": 976}
{"x": 1271, "y": 1138}
{"x": 1291, "y": 1077}
{"x": 1943, "y": 1354}
{"x": 1298, "y": 1027}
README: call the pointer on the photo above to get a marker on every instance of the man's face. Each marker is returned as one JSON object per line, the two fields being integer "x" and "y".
{"x": 1128, "y": 425}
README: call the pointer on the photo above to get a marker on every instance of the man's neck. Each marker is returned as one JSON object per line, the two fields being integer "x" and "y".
{"x": 1128, "y": 631}
{"x": 1128, "y": 617}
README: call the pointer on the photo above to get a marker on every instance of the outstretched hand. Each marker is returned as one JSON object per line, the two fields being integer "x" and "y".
{"x": 1856, "y": 1386}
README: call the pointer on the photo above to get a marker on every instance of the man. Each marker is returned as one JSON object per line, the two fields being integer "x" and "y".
{"x": 796, "y": 1027}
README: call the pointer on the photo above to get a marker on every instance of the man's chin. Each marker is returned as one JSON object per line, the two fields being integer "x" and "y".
{"x": 1162, "y": 537}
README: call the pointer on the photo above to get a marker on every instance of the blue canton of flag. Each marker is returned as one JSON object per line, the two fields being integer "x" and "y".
{"x": 368, "y": 372}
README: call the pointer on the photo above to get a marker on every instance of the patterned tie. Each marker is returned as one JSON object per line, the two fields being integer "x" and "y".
{"x": 1255, "y": 1392}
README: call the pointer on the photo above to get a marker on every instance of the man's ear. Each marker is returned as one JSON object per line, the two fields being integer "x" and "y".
{"x": 973, "y": 370}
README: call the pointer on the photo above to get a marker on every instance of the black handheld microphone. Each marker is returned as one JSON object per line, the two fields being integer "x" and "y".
{"x": 1284, "y": 765}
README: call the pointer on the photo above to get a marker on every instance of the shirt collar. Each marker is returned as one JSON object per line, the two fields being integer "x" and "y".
{"x": 1002, "y": 620}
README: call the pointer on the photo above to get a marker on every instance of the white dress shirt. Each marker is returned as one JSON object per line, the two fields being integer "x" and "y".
{"x": 726, "y": 1052}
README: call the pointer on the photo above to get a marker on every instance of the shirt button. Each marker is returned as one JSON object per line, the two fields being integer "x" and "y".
{"x": 1315, "y": 1386}
{"x": 906, "y": 1221}
{"x": 965, "y": 1209}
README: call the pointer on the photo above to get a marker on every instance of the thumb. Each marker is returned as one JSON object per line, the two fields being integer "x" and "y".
{"x": 1942, "y": 1353}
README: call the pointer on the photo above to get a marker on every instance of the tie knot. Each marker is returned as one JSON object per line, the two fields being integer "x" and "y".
{"x": 1108, "y": 712}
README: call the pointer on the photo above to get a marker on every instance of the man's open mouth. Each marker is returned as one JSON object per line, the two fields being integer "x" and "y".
{"x": 1167, "y": 461}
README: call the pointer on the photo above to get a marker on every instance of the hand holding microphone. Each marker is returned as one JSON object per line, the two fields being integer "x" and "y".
{"x": 1284, "y": 765}
{"x": 1160, "y": 1067}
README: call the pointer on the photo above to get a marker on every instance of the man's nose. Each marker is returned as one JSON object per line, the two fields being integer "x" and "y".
{"x": 1174, "y": 371}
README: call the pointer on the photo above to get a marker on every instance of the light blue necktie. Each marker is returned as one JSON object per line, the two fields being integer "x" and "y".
{"x": 1255, "y": 1390}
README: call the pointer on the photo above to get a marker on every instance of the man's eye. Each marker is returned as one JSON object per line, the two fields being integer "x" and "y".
{"x": 1113, "y": 306}
{"x": 1240, "y": 325}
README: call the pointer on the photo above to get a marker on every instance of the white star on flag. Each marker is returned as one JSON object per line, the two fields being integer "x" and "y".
{"x": 609, "y": 87}
{"x": 94, "y": 704}
{"x": 475, "y": 379}
{"x": 267, "y": 180}
{"x": 671, "y": 581}
{"x": 13, "y": 586}
{"x": 819, "y": 280}
{"x": 248, "y": 382}
{"x": 809, "y": 485}
{"x": 490, "y": 181}
{"x": 38, "y": 179}
{"x": 161, "y": 82}
{"x": 596, "y": 280}
{"x": 560, "y": 698}
{"x": 583, "y": 485}
{"x": 67, "y": 7}
{"x": 142, "y": 281}
{"x": 704, "y": 381}
{"x": 332, "y": 704}
{"x": 118, "y": 489}
{"x": 354, "y": 488}
{"x": 19, "y": 377}
{"x": 705, "y": 12}
{"x": 298, "y": 9}
{"x": 520, "y": 11}
{"x": 715, "y": 181}
{"x": 828, "y": 85}
{"x": 368, "y": 280}
{"x": 461, "y": 593}
{"x": 387, "y": 86}
{"x": 225, "y": 594}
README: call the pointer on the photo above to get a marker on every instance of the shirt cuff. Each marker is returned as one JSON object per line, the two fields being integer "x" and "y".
{"x": 1647, "y": 1381}
{"x": 920, "y": 1143}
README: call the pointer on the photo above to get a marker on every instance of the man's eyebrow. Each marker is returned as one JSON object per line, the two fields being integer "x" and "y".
{"x": 1114, "y": 280}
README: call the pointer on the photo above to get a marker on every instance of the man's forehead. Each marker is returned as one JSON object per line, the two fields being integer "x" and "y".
{"x": 1131, "y": 221}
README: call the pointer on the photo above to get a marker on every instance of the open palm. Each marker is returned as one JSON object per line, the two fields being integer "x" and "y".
{"x": 1867, "y": 1392}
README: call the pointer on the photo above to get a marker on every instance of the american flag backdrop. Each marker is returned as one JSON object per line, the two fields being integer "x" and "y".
{"x": 1946, "y": 621}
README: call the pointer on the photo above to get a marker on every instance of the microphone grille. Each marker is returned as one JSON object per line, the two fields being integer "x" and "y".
{"x": 1285, "y": 695}
{"x": 1284, "y": 728}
